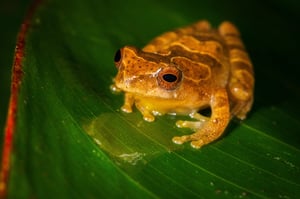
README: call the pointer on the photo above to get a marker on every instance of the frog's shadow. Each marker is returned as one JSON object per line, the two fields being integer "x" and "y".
{"x": 233, "y": 124}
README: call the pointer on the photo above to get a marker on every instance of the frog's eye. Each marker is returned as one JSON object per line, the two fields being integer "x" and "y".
{"x": 169, "y": 78}
{"x": 118, "y": 57}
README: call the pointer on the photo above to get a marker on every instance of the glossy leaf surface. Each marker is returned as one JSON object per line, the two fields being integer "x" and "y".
{"x": 71, "y": 139}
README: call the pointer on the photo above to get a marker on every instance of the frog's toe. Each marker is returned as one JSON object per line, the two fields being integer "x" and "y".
{"x": 148, "y": 117}
{"x": 197, "y": 144}
{"x": 181, "y": 124}
{"x": 126, "y": 109}
{"x": 114, "y": 88}
{"x": 199, "y": 117}
{"x": 181, "y": 139}
{"x": 190, "y": 124}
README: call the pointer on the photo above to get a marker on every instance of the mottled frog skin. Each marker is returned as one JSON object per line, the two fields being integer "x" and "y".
{"x": 185, "y": 71}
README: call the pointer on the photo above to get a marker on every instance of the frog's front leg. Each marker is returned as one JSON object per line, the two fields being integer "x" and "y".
{"x": 128, "y": 103}
{"x": 130, "y": 100}
{"x": 147, "y": 114}
{"x": 214, "y": 127}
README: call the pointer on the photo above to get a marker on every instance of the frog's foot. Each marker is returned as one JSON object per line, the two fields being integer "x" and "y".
{"x": 128, "y": 103}
{"x": 126, "y": 108}
{"x": 197, "y": 140}
{"x": 147, "y": 115}
{"x": 213, "y": 127}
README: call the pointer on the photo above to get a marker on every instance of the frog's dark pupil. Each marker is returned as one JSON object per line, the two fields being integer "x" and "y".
{"x": 169, "y": 77}
{"x": 118, "y": 56}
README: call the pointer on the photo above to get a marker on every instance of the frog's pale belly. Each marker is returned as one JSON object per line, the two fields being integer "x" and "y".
{"x": 160, "y": 106}
{"x": 183, "y": 71}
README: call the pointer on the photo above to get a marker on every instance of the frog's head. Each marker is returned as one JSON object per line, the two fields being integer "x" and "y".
{"x": 146, "y": 74}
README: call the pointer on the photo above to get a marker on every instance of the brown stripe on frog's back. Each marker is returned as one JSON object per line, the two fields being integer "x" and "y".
{"x": 210, "y": 37}
{"x": 195, "y": 71}
{"x": 200, "y": 31}
{"x": 191, "y": 44}
{"x": 233, "y": 41}
{"x": 206, "y": 59}
{"x": 204, "y": 65}
{"x": 160, "y": 42}
{"x": 153, "y": 57}
{"x": 179, "y": 51}
{"x": 239, "y": 59}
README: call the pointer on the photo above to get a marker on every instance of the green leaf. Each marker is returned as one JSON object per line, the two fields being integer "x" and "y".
{"x": 72, "y": 141}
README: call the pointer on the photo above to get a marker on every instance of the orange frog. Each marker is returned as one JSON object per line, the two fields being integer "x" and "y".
{"x": 185, "y": 71}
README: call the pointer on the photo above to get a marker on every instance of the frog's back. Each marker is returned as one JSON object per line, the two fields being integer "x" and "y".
{"x": 198, "y": 43}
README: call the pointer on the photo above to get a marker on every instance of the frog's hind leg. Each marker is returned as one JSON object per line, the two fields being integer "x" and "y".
{"x": 241, "y": 82}
{"x": 128, "y": 103}
{"x": 213, "y": 127}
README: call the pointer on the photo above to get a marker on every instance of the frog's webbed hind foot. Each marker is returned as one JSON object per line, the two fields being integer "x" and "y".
{"x": 207, "y": 129}
{"x": 194, "y": 125}
{"x": 197, "y": 139}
